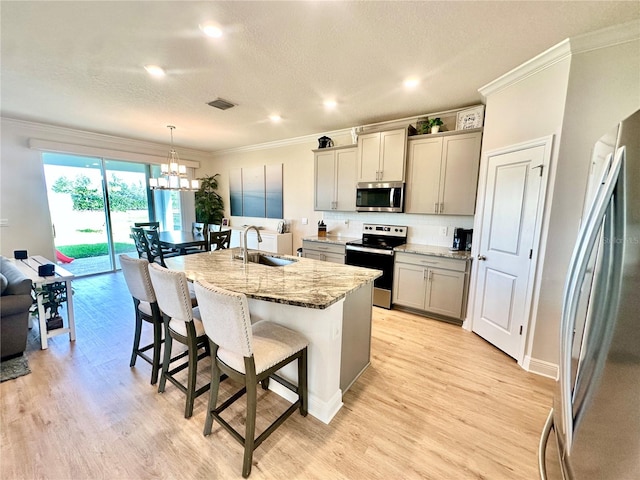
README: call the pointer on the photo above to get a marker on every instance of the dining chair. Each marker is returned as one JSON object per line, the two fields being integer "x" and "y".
{"x": 136, "y": 275}
{"x": 214, "y": 227}
{"x": 141, "y": 243}
{"x": 219, "y": 240}
{"x": 249, "y": 354}
{"x": 157, "y": 254}
{"x": 155, "y": 225}
{"x": 181, "y": 323}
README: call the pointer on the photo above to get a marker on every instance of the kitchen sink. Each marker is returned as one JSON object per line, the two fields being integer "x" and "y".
{"x": 268, "y": 260}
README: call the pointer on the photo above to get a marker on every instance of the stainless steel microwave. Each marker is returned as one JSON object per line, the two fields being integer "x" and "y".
{"x": 380, "y": 197}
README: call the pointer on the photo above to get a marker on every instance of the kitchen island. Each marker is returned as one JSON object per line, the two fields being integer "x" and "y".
{"x": 329, "y": 304}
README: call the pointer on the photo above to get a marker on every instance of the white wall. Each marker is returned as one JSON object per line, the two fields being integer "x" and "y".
{"x": 577, "y": 99}
{"x": 603, "y": 88}
{"x": 23, "y": 195}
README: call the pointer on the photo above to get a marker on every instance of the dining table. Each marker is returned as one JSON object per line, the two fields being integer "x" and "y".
{"x": 181, "y": 240}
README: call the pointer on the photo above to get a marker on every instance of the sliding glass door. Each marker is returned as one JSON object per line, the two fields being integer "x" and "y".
{"x": 93, "y": 203}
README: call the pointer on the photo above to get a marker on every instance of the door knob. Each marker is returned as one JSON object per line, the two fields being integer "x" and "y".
{"x": 481, "y": 257}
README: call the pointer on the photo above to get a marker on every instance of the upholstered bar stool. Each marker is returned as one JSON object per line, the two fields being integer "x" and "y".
{"x": 249, "y": 354}
{"x": 182, "y": 324}
{"x": 136, "y": 275}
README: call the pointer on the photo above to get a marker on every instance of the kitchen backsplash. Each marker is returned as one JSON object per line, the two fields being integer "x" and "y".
{"x": 423, "y": 229}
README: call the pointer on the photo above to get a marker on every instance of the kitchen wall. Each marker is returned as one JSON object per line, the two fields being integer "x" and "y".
{"x": 297, "y": 158}
{"x": 576, "y": 98}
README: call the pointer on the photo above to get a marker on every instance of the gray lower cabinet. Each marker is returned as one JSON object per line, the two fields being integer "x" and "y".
{"x": 327, "y": 252}
{"x": 432, "y": 284}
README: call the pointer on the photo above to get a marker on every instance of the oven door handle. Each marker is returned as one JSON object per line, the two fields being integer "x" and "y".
{"x": 375, "y": 251}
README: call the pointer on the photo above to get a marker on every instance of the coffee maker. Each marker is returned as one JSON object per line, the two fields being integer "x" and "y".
{"x": 462, "y": 239}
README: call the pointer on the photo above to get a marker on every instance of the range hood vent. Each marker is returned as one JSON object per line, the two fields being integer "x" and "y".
{"x": 221, "y": 103}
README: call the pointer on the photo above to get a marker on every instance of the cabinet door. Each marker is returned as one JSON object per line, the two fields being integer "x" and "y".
{"x": 333, "y": 258}
{"x": 459, "y": 178}
{"x": 324, "y": 181}
{"x": 346, "y": 163}
{"x": 368, "y": 157}
{"x": 409, "y": 285}
{"x": 314, "y": 254}
{"x": 445, "y": 292}
{"x": 393, "y": 151}
{"x": 423, "y": 175}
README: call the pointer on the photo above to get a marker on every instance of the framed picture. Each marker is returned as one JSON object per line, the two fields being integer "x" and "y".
{"x": 470, "y": 118}
{"x": 225, "y": 222}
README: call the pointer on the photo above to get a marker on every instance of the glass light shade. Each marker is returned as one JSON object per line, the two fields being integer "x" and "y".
{"x": 174, "y": 181}
{"x": 195, "y": 184}
{"x": 164, "y": 168}
{"x": 184, "y": 183}
{"x": 153, "y": 182}
{"x": 163, "y": 183}
{"x": 173, "y": 167}
{"x": 182, "y": 169}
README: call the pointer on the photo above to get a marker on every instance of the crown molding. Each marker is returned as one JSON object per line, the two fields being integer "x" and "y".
{"x": 618, "y": 34}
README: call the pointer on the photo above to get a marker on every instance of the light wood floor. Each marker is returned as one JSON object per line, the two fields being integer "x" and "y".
{"x": 437, "y": 402}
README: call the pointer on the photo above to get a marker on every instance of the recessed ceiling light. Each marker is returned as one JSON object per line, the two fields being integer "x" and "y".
{"x": 411, "y": 82}
{"x": 275, "y": 118}
{"x": 155, "y": 70}
{"x": 330, "y": 104}
{"x": 211, "y": 30}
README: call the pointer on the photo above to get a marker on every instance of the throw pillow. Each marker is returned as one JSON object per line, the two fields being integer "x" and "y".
{"x": 3, "y": 284}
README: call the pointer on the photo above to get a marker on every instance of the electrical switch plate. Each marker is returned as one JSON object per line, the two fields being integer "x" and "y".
{"x": 305, "y": 221}
{"x": 443, "y": 231}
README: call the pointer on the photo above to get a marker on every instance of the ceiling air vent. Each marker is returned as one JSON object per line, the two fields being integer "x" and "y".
{"x": 221, "y": 104}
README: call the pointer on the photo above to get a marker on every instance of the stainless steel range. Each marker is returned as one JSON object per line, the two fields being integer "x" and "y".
{"x": 375, "y": 250}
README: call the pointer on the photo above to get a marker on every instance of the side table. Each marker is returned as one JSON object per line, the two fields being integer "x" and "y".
{"x": 30, "y": 268}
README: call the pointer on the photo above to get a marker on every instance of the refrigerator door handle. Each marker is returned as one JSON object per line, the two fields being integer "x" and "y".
{"x": 542, "y": 447}
{"x": 587, "y": 238}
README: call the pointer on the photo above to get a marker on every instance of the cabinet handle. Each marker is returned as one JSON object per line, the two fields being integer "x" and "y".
{"x": 435, "y": 207}
{"x": 381, "y": 174}
{"x": 430, "y": 275}
{"x": 442, "y": 207}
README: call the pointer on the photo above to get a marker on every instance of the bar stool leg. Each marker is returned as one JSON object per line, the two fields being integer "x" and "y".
{"x": 302, "y": 383}
{"x": 168, "y": 343}
{"x": 157, "y": 342}
{"x": 250, "y": 428}
{"x": 213, "y": 392}
{"x": 136, "y": 337}
{"x": 191, "y": 379}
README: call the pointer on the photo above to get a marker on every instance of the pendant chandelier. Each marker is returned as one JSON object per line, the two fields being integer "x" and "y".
{"x": 173, "y": 175}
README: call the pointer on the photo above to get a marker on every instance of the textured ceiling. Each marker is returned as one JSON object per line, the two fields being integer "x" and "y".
{"x": 80, "y": 64}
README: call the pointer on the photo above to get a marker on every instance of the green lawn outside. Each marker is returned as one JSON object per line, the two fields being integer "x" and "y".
{"x": 94, "y": 249}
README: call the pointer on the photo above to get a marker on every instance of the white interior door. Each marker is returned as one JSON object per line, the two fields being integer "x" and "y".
{"x": 508, "y": 227}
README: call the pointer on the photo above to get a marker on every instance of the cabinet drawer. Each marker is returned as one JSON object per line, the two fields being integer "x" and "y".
{"x": 432, "y": 261}
{"x": 323, "y": 247}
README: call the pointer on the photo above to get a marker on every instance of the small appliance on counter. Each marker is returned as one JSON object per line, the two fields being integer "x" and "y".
{"x": 462, "y": 239}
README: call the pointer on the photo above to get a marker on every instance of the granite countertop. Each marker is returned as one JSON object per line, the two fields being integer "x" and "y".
{"x": 304, "y": 283}
{"x": 432, "y": 250}
{"x": 337, "y": 239}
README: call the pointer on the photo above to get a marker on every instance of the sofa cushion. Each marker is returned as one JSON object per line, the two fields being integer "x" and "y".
{"x": 3, "y": 284}
{"x": 18, "y": 282}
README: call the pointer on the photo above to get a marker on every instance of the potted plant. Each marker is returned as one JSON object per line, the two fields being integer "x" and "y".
{"x": 435, "y": 124}
{"x": 209, "y": 204}
{"x": 53, "y": 296}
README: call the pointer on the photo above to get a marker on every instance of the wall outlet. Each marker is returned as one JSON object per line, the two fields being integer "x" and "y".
{"x": 305, "y": 221}
{"x": 443, "y": 231}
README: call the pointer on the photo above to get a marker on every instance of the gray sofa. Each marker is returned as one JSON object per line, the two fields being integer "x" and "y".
{"x": 15, "y": 302}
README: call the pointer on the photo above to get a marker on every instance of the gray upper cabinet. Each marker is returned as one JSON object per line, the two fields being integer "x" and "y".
{"x": 381, "y": 156}
{"x": 335, "y": 179}
{"x": 442, "y": 173}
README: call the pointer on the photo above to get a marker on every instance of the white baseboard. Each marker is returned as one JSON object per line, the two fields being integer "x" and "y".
{"x": 540, "y": 367}
{"x": 323, "y": 411}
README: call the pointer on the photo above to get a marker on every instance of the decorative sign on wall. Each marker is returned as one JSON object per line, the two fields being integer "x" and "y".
{"x": 256, "y": 191}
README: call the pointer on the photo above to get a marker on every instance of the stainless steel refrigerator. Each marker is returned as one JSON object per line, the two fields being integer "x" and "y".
{"x": 593, "y": 430}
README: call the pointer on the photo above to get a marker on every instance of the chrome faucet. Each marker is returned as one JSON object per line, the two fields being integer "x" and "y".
{"x": 245, "y": 254}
